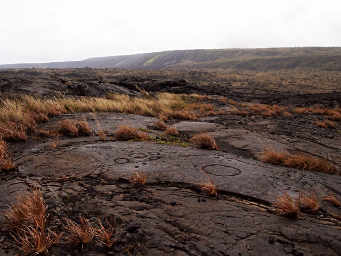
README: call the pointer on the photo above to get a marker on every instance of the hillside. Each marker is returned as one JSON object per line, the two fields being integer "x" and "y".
{"x": 236, "y": 59}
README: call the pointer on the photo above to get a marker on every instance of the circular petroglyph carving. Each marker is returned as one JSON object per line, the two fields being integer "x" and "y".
{"x": 221, "y": 170}
{"x": 138, "y": 155}
{"x": 153, "y": 158}
{"x": 122, "y": 160}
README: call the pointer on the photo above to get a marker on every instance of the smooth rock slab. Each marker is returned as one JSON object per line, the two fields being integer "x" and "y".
{"x": 196, "y": 127}
{"x": 177, "y": 164}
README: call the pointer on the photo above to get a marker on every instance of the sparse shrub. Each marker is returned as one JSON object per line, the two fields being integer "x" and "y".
{"x": 171, "y": 131}
{"x": 130, "y": 133}
{"x": 160, "y": 125}
{"x": 209, "y": 188}
{"x": 204, "y": 141}
{"x": 138, "y": 178}
{"x": 308, "y": 202}
{"x": 287, "y": 206}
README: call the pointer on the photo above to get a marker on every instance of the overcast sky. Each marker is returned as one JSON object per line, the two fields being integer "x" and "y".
{"x": 56, "y": 30}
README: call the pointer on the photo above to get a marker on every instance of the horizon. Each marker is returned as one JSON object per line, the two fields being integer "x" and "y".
{"x": 108, "y": 56}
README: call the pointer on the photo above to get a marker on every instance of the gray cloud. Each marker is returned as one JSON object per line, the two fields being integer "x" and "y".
{"x": 50, "y": 30}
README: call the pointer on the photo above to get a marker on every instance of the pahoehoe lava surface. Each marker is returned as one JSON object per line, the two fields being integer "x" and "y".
{"x": 171, "y": 215}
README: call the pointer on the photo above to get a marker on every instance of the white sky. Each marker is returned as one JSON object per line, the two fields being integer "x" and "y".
{"x": 55, "y": 30}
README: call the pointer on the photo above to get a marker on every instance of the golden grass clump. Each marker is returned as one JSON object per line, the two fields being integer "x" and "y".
{"x": 5, "y": 159}
{"x": 160, "y": 125}
{"x": 204, "y": 141}
{"x": 287, "y": 206}
{"x": 209, "y": 188}
{"x": 138, "y": 178}
{"x": 332, "y": 199}
{"x": 298, "y": 161}
{"x": 129, "y": 133}
{"x": 172, "y": 131}
{"x": 308, "y": 202}
{"x": 83, "y": 232}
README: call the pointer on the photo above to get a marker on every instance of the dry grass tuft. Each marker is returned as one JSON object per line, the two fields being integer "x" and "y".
{"x": 74, "y": 128}
{"x": 138, "y": 178}
{"x": 308, "y": 202}
{"x": 204, "y": 141}
{"x": 287, "y": 206}
{"x": 160, "y": 125}
{"x": 183, "y": 115}
{"x": 209, "y": 188}
{"x": 35, "y": 241}
{"x": 333, "y": 200}
{"x": 27, "y": 220}
{"x": 83, "y": 233}
{"x": 29, "y": 208}
{"x": 326, "y": 124}
{"x": 105, "y": 235}
{"x": 130, "y": 133}
{"x": 171, "y": 131}
{"x": 298, "y": 161}
{"x": 273, "y": 157}
{"x": 5, "y": 160}
{"x": 68, "y": 127}
{"x": 83, "y": 128}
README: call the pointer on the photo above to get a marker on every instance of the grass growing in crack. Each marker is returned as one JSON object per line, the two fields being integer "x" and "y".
{"x": 138, "y": 178}
{"x": 204, "y": 141}
{"x": 209, "y": 188}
